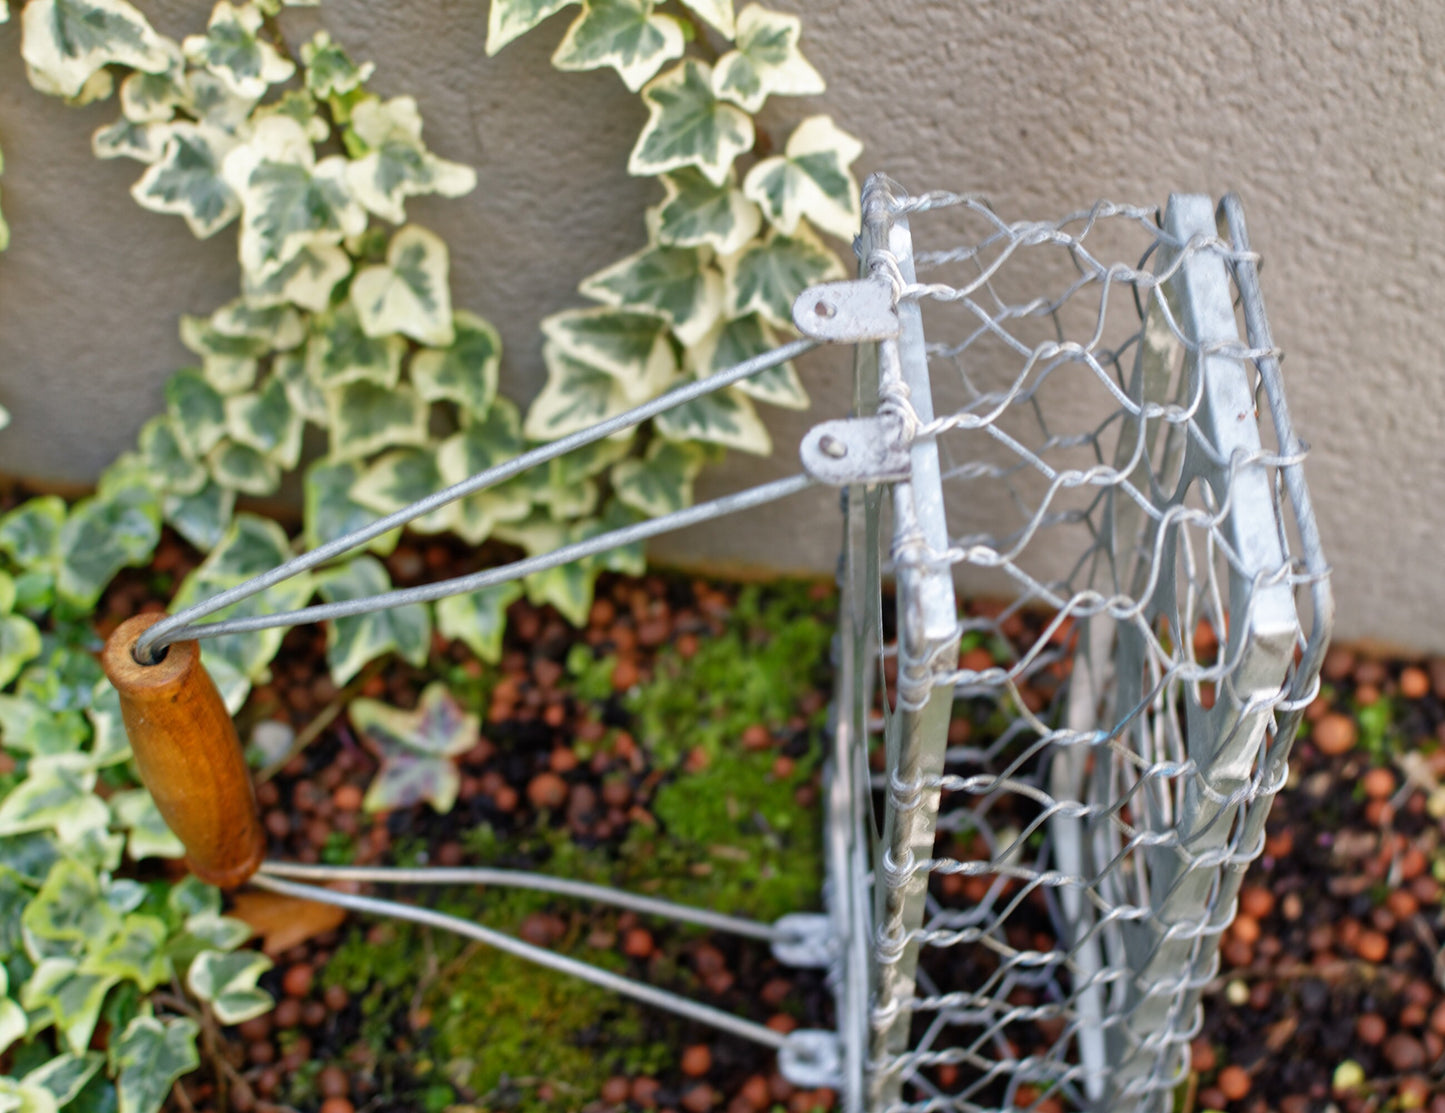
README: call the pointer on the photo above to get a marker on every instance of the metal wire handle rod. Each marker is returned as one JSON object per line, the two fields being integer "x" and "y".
{"x": 491, "y": 577}
{"x": 640, "y": 991}
{"x": 180, "y": 626}
{"x": 538, "y": 882}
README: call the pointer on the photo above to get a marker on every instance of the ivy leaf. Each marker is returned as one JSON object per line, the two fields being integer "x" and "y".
{"x": 509, "y": 19}
{"x": 394, "y": 164}
{"x": 688, "y": 125}
{"x": 279, "y": 326}
{"x": 568, "y": 587}
{"x": 341, "y": 351}
{"x": 465, "y": 372}
{"x": 66, "y": 42}
{"x": 478, "y": 620}
{"x": 698, "y": 212}
{"x": 71, "y": 907}
{"x": 31, "y": 727}
{"x": 201, "y": 518}
{"x": 108, "y": 742}
{"x": 227, "y": 361}
{"x": 766, "y": 277}
{"x": 30, "y": 534}
{"x": 64, "y": 1076}
{"x": 300, "y": 106}
{"x": 811, "y": 179}
{"x": 228, "y": 983}
{"x": 410, "y": 293}
{"x": 352, "y": 642}
{"x": 19, "y": 644}
{"x": 135, "y": 811}
{"x": 289, "y": 369}
{"x": 480, "y": 443}
{"x": 241, "y": 468}
{"x": 661, "y": 483}
{"x": 101, "y": 536}
{"x": 197, "y": 409}
{"x": 576, "y": 396}
{"x": 169, "y": 458}
{"x": 149, "y": 1056}
{"x": 416, "y": 748}
{"x": 307, "y": 279}
{"x": 365, "y": 416}
{"x": 719, "y": 13}
{"x": 154, "y": 97}
{"x": 216, "y": 102}
{"x": 73, "y": 998}
{"x": 329, "y": 511}
{"x": 742, "y": 338}
{"x": 289, "y": 201}
{"x": 186, "y": 179}
{"x": 766, "y": 62}
{"x": 723, "y": 417}
{"x": 143, "y": 142}
{"x": 624, "y": 34}
{"x": 400, "y": 478}
{"x": 330, "y": 72}
{"x": 135, "y": 953}
{"x": 675, "y": 282}
{"x": 266, "y": 422}
{"x": 232, "y": 51}
{"x": 633, "y": 347}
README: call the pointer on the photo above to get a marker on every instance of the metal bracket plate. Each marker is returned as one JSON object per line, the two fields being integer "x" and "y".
{"x": 847, "y": 312}
{"x": 856, "y": 450}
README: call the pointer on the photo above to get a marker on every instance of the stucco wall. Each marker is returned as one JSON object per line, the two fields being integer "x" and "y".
{"x": 1329, "y": 119}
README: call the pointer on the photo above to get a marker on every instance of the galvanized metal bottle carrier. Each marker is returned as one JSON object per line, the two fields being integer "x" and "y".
{"x": 1066, "y": 416}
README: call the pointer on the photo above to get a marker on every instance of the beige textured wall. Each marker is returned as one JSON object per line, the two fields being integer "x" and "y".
{"x": 1329, "y": 119}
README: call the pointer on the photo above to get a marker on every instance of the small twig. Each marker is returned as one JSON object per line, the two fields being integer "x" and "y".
{"x": 1191, "y": 1092}
{"x": 183, "y": 1099}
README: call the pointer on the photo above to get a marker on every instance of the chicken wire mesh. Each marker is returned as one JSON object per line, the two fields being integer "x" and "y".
{"x": 1041, "y": 810}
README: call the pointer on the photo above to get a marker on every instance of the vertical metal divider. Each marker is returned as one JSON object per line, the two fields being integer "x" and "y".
{"x": 927, "y": 622}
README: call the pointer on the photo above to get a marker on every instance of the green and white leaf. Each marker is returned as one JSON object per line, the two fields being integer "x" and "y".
{"x": 29, "y": 726}
{"x": 56, "y": 795}
{"x": 328, "y": 509}
{"x": 400, "y": 478}
{"x": 266, "y": 422}
{"x": 70, "y": 906}
{"x": 307, "y": 279}
{"x": 108, "y": 742}
{"x": 186, "y": 179}
{"x": 416, "y": 748}
{"x": 330, "y": 72}
{"x": 394, "y": 163}
{"x": 719, "y": 13}
{"x": 465, "y": 372}
{"x": 676, "y": 282}
{"x": 30, "y": 534}
{"x": 74, "y": 999}
{"x": 149, "y": 1056}
{"x": 152, "y": 98}
{"x": 723, "y": 417}
{"x": 289, "y": 201}
{"x": 66, "y": 42}
{"x": 279, "y": 326}
{"x": 577, "y": 395}
{"x": 197, "y": 409}
{"x": 148, "y": 836}
{"x": 661, "y": 483}
{"x": 410, "y": 293}
{"x": 766, "y": 277}
{"x": 13, "y": 1024}
{"x": 732, "y": 342}
{"x": 227, "y": 982}
{"x": 143, "y": 142}
{"x": 478, "y": 620}
{"x": 101, "y": 536}
{"x": 19, "y": 644}
{"x": 341, "y": 351}
{"x": 227, "y": 360}
{"x": 214, "y": 101}
{"x": 300, "y": 106}
{"x": 169, "y": 458}
{"x": 201, "y": 518}
{"x": 627, "y": 35}
{"x": 352, "y": 642}
{"x": 135, "y": 953}
{"x": 633, "y": 347}
{"x": 688, "y": 125}
{"x": 233, "y": 51}
{"x": 365, "y": 417}
{"x": 480, "y": 443}
{"x": 251, "y": 546}
{"x": 306, "y": 398}
{"x": 698, "y": 212}
{"x": 508, "y": 19}
{"x": 243, "y": 469}
{"x": 811, "y": 179}
{"x": 65, "y": 1075}
{"x": 767, "y": 61}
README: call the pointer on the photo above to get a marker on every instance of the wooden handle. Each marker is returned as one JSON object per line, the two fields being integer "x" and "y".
{"x": 189, "y": 757}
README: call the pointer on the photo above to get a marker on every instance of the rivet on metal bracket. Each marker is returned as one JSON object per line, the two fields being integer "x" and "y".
{"x": 856, "y": 450}
{"x": 811, "y": 1059}
{"x": 809, "y": 942}
{"x": 849, "y": 312}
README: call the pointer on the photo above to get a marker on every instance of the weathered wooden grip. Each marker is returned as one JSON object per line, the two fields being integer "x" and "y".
{"x": 189, "y": 757}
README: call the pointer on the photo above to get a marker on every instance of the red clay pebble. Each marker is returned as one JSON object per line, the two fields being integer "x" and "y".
{"x": 337, "y": 1105}
{"x": 314, "y": 1014}
{"x": 1256, "y": 901}
{"x": 336, "y": 998}
{"x": 1372, "y": 946}
{"x": 1379, "y": 784}
{"x": 1202, "y": 1056}
{"x": 1414, "y": 683}
{"x": 637, "y": 943}
{"x": 1404, "y": 1052}
{"x": 755, "y": 1092}
{"x": 625, "y": 674}
{"x": 782, "y": 1022}
{"x": 696, "y": 1060}
{"x": 644, "y": 1091}
{"x": 333, "y": 1083}
{"x": 775, "y": 991}
{"x": 1233, "y": 1082}
{"x": 757, "y": 737}
{"x": 1335, "y": 734}
{"x": 700, "y": 1098}
{"x": 1372, "y": 1029}
{"x": 287, "y": 1013}
{"x": 1212, "y": 1097}
{"x": 542, "y": 929}
{"x": 614, "y": 1090}
{"x": 257, "y": 1028}
{"x": 347, "y": 798}
{"x": 547, "y": 790}
{"x": 297, "y": 980}
{"x": 261, "y": 1052}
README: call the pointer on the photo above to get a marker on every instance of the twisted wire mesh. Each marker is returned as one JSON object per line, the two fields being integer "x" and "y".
{"x": 1069, "y": 783}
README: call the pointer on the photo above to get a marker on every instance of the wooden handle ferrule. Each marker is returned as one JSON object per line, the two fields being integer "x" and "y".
{"x": 189, "y": 757}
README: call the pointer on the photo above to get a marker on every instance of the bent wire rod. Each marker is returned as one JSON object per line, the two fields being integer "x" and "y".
{"x": 661, "y": 998}
{"x": 490, "y": 577}
{"x": 179, "y": 627}
{"x": 539, "y": 882}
